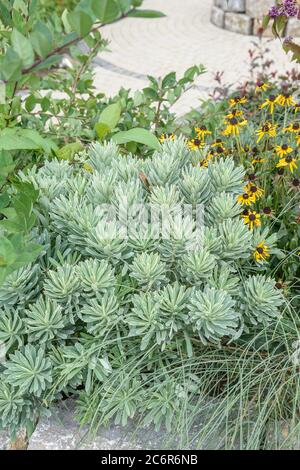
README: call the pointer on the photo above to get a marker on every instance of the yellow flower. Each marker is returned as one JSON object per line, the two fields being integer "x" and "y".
{"x": 270, "y": 102}
{"x": 234, "y": 114}
{"x": 165, "y": 136}
{"x": 195, "y": 144}
{"x": 266, "y": 129}
{"x": 252, "y": 219}
{"x": 237, "y": 100}
{"x": 88, "y": 167}
{"x": 283, "y": 150}
{"x": 297, "y": 107}
{"x": 254, "y": 191}
{"x": 295, "y": 127}
{"x": 261, "y": 252}
{"x": 217, "y": 143}
{"x": 261, "y": 86}
{"x": 246, "y": 199}
{"x": 285, "y": 99}
{"x": 202, "y": 131}
{"x": 288, "y": 161}
{"x": 204, "y": 162}
{"x": 233, "y": 125}
{"x": 258, "y": 160}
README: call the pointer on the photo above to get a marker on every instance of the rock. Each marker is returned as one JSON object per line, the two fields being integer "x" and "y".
{"x": 238, "y": 6}
{"x": 257, "y": 25}
{"x": 238, "y": 23}
{"x": 283, "y": 436}
{"x": 217, "y": 17}
{"x": 258, "y": 8}
{"x": 293, "y": 28}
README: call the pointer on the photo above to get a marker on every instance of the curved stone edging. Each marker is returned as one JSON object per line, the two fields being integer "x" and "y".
{"x": 245, "y": 17}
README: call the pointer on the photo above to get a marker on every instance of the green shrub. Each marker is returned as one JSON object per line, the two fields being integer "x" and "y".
{"x": 96, "y": 303}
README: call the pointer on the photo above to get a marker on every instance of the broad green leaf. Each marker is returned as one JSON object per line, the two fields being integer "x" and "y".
{"x": 24, "y": 139}
{"x": 23, "y": 47}
{"x": 7, "y": 252}
{"x": 146, "y": 14}
{"x": 102, "y": 129}
{"x": 106, "y": 10}
{"x": 81, "y": 22}
{"x": 10, "y": 65}
{"x": 142, "y": 136}
{"x": 111, "y": 115}
{"x": 4, "y": 15}
{"x": 41, "y": 39}
{"x": 68, "y": 151}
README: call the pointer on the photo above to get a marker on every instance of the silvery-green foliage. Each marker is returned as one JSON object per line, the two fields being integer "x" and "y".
{"x": 127, "y": 168}
{"x": 164, "y": 168}
{"x": 104, "y": 298}
{"x": 44, "y": 321}
{"x": 102, "y": 155}
{"x": 225, "y": 176}
{"x": 102, "y": 314}
{"x": 224, "y": 277}
{"x": 168, "y": 198}
{"x": 236, "y": 239}
{"x": 95, "y": 277}
{"x": 148, "y": 270}
{"x": 195, "y": 267}
{"x": 16, "y": 410}
{"x": 74, "y": 217}
{"x": 11, "y": 328}
{"x": 105, "y": 242}
{"x": 144, "y": 318}
{"x": 102, "y": 187}
{"x": 221, "y": 207}
{"x": 178, "y": 237}
{"x": 20, "y": 287}
{"x": 212, "y": 240}
{"x": 28, "y": 369}
{"x": 213, "y": 314}
{"x": 195, "y": 186}
{"x": 261, "y": 300}
{"x": 62, "y": 284}
{"x": 160, "y": 315}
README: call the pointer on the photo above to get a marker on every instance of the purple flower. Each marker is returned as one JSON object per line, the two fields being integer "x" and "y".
{"x": 274, "y": 12}
{"x": 290, "y": 8}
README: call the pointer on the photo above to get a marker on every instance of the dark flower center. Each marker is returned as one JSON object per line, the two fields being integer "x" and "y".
{"x": 280, "y": 171}
{"x": 233, "y": 121}
{"x": 203, "y": 128}
{"x": 260, "y": 250}
{"x": 245, "y": 196}
{"x": 296, "y": 182}
{"x": 272, "y": 98}
{"x": 219, "y": 149}
{"x": 267, "y": 210}
{"x": 278, "y": 285}
{"x": 266, "y": 128}
{"x": 284, "y": 147}
{"x": 288, "y": 159}
{"x": 296, "y": 126}
{"x": 253, "y": 189}
{"x": 252, "y": 176}
{"x": 252, "y": 217}
{"x": 245, "y": 212}
{"x": 197, "y": 142}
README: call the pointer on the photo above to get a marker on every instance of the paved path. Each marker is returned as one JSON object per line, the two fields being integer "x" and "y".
{"x": 183, "y": 38}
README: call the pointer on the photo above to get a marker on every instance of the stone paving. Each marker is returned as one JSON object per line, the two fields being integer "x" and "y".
{"x": 141, "y": 47}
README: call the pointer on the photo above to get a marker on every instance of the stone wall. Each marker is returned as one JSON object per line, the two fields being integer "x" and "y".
{"x": 245, "y": 17}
